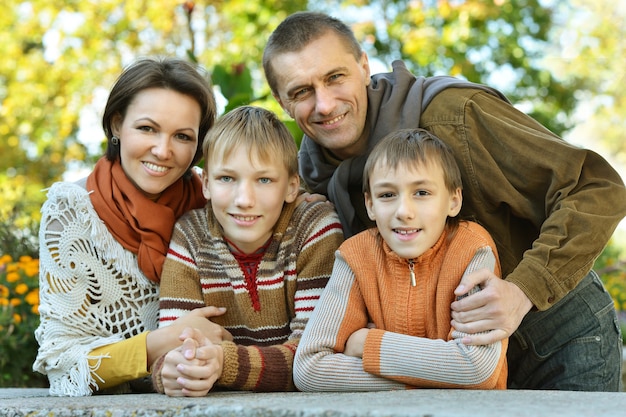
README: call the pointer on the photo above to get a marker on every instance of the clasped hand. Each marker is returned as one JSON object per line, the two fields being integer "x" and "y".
{"x": 489, "y": 315}
{"x": 192, "y": 369}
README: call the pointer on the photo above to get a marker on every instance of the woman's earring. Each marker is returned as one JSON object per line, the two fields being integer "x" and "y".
{"x": 115, "y": 140}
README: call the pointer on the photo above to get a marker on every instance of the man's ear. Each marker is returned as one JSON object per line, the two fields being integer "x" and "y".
{"x": 277, "y": 98}
{"x": 365, "y": 66}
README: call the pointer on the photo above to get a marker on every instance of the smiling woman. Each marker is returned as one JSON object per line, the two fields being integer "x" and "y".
{"x": 103, "y": 239}
{"x": 158, "y": 138}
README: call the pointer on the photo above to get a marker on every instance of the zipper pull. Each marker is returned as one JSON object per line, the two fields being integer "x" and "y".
{"x": 413, "y": 283}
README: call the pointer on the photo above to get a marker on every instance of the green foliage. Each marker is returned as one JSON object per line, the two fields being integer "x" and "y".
{"x": 62, "y": 55}
{"x": 589, "y": 45}
{"x": 235, "y": 84}
{"x": 19, "y": 317}
{"x": 19, "y": 290}
{"x": 611, "y": 266}
{"x": 19, "y": 215}
{"x": 500, "y": 43}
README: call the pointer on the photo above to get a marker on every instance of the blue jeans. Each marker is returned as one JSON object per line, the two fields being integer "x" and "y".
{"x": 575, "y": 345}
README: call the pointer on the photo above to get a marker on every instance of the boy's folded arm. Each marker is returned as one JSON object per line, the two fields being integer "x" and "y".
{"x": 433, "y": 363}
{"x": 320, "y": 364}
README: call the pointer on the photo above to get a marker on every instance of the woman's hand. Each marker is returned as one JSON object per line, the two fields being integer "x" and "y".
{"x": 161, "y": 341}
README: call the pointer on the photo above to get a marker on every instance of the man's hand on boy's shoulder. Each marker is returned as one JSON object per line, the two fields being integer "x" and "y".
{"x": 491, "y": 314}
{"x": 306, "y": 196}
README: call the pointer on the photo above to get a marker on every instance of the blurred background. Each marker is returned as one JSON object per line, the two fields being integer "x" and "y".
{"x": 560, "y": 61}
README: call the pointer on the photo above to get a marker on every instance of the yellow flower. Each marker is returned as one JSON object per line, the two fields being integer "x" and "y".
{"x": 32, "y": 270}
{"x": 21, "y": 288}
{"x": 13, "y": 277}
{"x": 29, "y": 266}
{"x": 5, "y": 259}
{"x": 4, "y": 291}
{"x": 4, "y": 302}
{"x": 17, "y": 318}
{"x": 35, "y": 309}
{"x": 32, "y": 297}
{"x": 15, "y": 302}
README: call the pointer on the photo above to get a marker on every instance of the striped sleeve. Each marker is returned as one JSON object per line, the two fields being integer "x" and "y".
{"x": 314, "y": 263}
{"x": 180, "y": 290}
{"x": 319, "y": 365}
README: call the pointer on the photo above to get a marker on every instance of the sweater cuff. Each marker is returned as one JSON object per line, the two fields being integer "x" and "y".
{"x": 157, "y": 380}
{"x": 230, "y": 368}
{"x": 371, "y": 351}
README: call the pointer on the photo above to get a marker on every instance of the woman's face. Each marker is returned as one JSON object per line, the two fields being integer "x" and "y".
{"x": 158, "y": 138}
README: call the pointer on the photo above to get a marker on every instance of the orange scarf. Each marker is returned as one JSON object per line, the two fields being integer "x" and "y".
{"x": 141, "y": 225}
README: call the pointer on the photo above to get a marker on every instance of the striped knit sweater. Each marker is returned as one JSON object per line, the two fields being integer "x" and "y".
{"x": 266, "y": 318}
{"x": 412, "y": 344}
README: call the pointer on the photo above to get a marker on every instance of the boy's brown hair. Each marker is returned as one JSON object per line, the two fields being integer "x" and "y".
{"x": 414, "y": 147}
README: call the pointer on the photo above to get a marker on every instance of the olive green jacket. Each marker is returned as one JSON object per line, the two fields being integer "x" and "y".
{"x": 550, "y": 206}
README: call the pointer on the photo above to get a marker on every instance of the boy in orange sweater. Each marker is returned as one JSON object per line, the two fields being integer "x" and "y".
{"x": 383, "y": 321}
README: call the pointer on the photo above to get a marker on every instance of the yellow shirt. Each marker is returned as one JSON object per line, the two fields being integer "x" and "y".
{"x": 125, "y": 361}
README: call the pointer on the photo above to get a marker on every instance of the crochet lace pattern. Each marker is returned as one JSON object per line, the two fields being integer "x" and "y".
{"x": 92, "y": 293}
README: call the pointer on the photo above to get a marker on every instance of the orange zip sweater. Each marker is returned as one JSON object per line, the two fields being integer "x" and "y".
{"x": 412, "y": 344}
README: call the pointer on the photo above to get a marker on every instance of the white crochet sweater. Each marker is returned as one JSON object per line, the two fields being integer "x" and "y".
{"x": 92, "y": 292}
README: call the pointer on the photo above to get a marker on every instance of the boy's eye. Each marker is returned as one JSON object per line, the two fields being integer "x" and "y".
{"x": 422, "y": 193}
{"x": 225, "y": 178}
{"x": 388, "y": 194}
{"x": 265, "y": 180}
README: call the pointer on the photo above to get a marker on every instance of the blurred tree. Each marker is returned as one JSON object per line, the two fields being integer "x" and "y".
{"x": 589, "y": 43}
{"x": 62, "y": 56}
{"x": 495, "y": 42}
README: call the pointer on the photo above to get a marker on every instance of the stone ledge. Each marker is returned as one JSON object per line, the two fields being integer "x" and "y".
{"x": 15, "y": 402}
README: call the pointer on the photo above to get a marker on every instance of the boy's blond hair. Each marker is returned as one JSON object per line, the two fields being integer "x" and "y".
{"x": 259, "y": 130}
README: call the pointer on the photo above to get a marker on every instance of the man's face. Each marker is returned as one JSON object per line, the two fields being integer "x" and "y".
{"x": 324, "y": 88}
